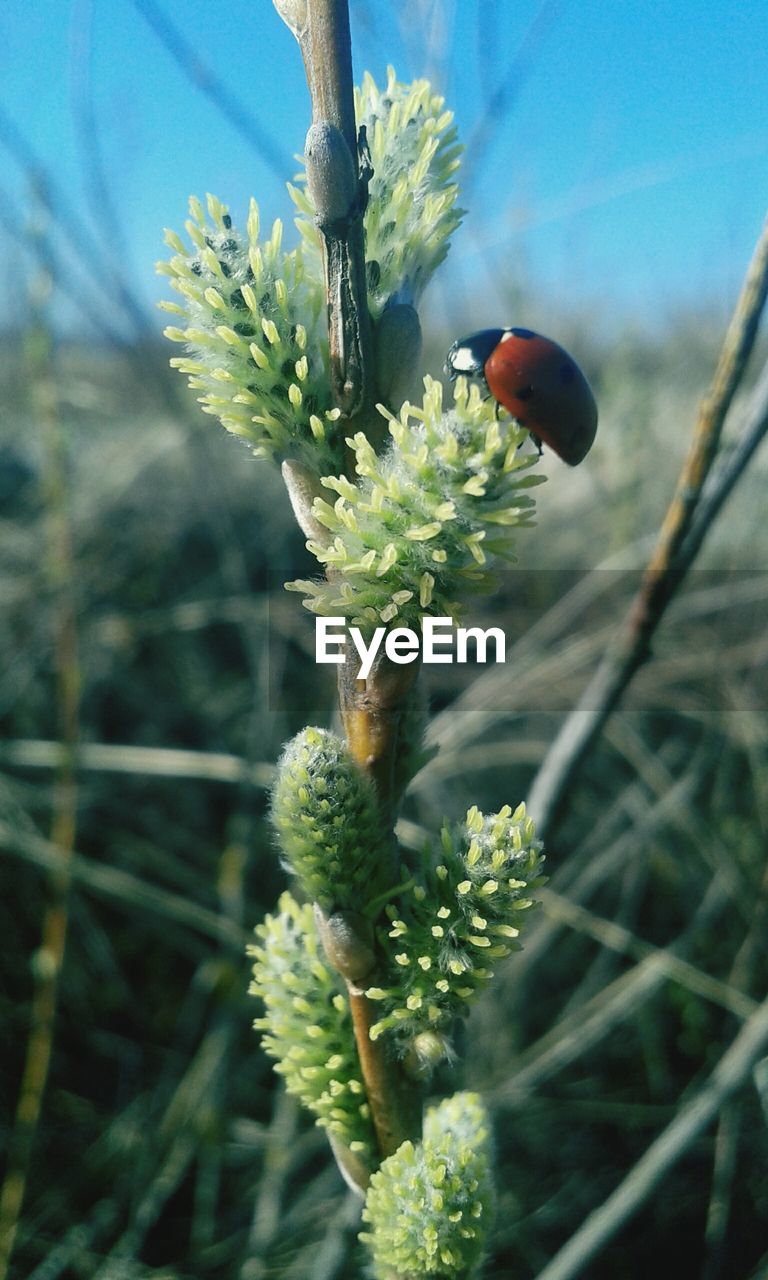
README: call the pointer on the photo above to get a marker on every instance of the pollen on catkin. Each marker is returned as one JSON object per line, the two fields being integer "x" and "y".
{"x": 449, "y": 929}
{"x": 412, "y": 210}
{"x": 252, "y": 320}
{"x": 430, "y": 1205}
{"x": 429, "y": 519}
{"x": 307, "y": 1025}
{"x": 326, "y": 815}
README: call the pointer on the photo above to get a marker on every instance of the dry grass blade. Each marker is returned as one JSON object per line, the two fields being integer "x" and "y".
{"x": 266, "y": 1222}
{"x": 127, "y": 891}
{"x": 584, "y": 1027}
{"x": 616, "y": 938}
{"x": 665, "y": 570}
{"x": 155, "y": 762}
{"x": 55, "y": 922}
{"x": 694, "y": 1116}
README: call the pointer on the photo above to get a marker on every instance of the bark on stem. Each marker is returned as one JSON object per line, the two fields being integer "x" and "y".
{"x": 679, "y": 539}
{"x": 370, "y": 709}
{"x": 322, "y": 30}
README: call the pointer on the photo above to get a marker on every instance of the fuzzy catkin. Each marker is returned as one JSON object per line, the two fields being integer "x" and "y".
{"x": 430, "y": 1205}
{"x": 252, "y": 317}
{"x": 449, "y": 928}
{"x": 326, "y": 815}
{"x": 429, "y": 519}
{"x": 412, "y": 209}
{"x": 307, "y": 1025}
{"x": 252, "y": 320}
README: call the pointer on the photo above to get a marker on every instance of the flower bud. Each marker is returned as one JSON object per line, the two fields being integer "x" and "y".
{"x": 331, "y": 173}
{"x": 429, "y": 1206}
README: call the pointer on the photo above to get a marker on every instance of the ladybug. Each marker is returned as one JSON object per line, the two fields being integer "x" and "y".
{"x": 536, "y": 381}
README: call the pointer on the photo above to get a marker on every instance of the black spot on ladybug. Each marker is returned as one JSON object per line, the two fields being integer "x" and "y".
{"x": 245, "y": 330}
{"x": 524, "y": 333}
{"x": 524, "y": 393}
{"x": 567, "y": 373}
{"x": 227, "y": 221}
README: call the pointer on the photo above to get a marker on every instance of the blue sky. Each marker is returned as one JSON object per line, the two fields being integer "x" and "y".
{"x": 628, "y": 169}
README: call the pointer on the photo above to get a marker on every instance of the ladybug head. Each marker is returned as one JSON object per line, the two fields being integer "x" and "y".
{"x": 467, "y": 356}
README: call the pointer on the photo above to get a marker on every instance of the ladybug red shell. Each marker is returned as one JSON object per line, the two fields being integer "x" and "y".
{"x": 536, "y": 381}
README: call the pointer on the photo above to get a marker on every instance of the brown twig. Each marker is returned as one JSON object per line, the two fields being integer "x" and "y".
{"x": 371, "y": 709}
{"x": 681, "y": 535}
{"x": 338, "y": 191}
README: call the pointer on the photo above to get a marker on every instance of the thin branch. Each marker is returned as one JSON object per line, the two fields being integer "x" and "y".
{"x": 724, "y": 479}
{"x": 94, "y": 261}
{"x": 191, "y": 64}
{"x": 732, "y": 1071}
{"x": 499, "y": 103}
{"x": 338, "y": 193}
{"x": 370, "y": 709}
{"x": 679, "y": 540}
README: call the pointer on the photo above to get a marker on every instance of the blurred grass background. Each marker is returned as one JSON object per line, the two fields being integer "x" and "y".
{"x": 166, "y": 1147}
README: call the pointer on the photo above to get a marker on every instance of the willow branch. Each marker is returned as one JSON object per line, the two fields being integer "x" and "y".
{"x": 338, "y": 191}
{"x": 685, "y": 525}
{"x": 371, "y": 709}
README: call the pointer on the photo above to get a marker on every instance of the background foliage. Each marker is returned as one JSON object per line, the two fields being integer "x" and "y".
{"x": 167, "y": 1147}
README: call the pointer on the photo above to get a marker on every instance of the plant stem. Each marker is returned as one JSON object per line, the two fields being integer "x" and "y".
{"x": 370, "y": 709}
{"x": 322, "y": 30}
{"x": 384, "y": 1086}
{"x": 672, "y": 557}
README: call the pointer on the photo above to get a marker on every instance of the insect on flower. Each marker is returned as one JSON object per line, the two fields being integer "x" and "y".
{"x": 537, "y": 381}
